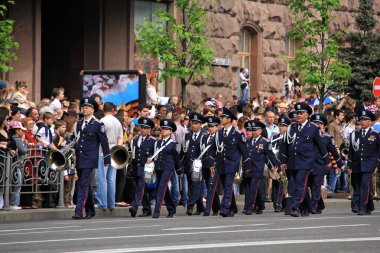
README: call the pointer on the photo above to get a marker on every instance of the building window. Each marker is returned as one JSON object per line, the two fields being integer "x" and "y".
{"x": 290, "y": 52}
{"x": 144, "y": 11}
{"x": 245, "y": 47}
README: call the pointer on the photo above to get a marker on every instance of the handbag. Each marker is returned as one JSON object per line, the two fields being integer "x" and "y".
{"x": 196, "y": 171}
{"x": 243, "y": 85}
{"x": 149, "y": 173}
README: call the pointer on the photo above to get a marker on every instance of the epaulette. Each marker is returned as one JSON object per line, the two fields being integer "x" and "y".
{"x": 293, "y": 123}
{"x": 374, "y": 131}
{"x": 327, "y": 135}
{"x": 151, "y": 137}
{"x": 265, "y": 139}
{"x": 238, "y": 131}
{"x": 97, "y": 120}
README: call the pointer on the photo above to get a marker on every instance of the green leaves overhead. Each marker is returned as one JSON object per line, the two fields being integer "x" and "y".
{"x": 7, "y": 43}
{"x": 316, "y": 58}
{"x": 181, "y": 44}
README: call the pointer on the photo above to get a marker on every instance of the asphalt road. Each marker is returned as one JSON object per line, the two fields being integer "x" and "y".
{"x": 336, "y": 230}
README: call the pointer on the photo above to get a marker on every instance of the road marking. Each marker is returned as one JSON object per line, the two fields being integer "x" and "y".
{"x": 215, "y": 227}
{"x": 307, "y": 218}
{"x": 177, "y": 234}
{"x": 80, "y": 230}
{"x": 234, "y": 244}
{"x": 28, "y": 229}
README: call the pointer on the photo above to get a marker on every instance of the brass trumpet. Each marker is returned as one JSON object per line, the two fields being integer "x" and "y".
{"x": 120, "y": 157}
{"x": 59, "y": 160}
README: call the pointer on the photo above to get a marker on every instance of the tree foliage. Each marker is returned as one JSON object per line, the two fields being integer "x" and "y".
{"x": 316, "y": 58}
{"x": 363, "y": 51}
{"x": 7, "y": 42}
{"x": 180, "y": 44}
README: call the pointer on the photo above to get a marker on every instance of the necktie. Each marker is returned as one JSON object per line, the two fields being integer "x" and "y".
{"x": 363, "y": 133}
{"x": 141, "y": 140}
{"x": 194, "y": 137}
{"x": 225, "y": 133}
{"x": 85, "y": 124}
{"x": 299, "y": 127}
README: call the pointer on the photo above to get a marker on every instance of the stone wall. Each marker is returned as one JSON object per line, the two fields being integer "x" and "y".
{"x": 269, "y": 20}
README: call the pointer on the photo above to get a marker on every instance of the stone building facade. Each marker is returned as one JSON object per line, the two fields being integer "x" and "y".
{"x": 60, "y": 38}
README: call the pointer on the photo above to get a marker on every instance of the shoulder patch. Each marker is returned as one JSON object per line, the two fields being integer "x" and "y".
{"x": 102, "y": 128}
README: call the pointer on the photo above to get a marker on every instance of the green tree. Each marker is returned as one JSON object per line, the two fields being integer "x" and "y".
{"x": 7, "y": 42}
{"x": 363, "y": 51}
{"x": 316, "y": 59}
{"x": 180, "y": 44}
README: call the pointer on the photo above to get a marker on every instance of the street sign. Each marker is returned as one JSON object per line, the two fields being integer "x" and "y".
{"x": 376, "y": 87}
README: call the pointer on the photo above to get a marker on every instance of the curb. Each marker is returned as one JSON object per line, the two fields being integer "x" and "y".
{"x": 122, "y": 212}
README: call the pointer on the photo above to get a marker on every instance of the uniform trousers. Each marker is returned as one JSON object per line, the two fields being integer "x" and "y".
{"x": 212, "y": 195}
{"x": 277, "y": 194}
{"x": 141, "y": 196}
{"x": 315, "y": 183}
{"x": 163, "y": 178}
{"x": 253, "y": 196}
{"x": 362, "y": 185}
{"x": 298, "y": 183}
{"x": 195, "y": 194}
{"x": 228, "y": 203}
{"x": 85, "y": 197}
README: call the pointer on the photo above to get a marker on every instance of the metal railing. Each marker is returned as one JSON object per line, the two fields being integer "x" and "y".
{"x": 32, "y": 173}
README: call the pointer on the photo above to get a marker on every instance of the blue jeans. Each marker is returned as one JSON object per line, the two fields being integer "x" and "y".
{"x": 332, "y": 178}
{"x": 105, "y": 185}
{"x": 184, "y": 189}
{"x": 174, "y": 188}
{"x": 245, "y": 93}
{"x": 16, "y": 189}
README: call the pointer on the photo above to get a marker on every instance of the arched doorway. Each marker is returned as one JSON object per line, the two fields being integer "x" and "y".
{"x": 250, "y": 51}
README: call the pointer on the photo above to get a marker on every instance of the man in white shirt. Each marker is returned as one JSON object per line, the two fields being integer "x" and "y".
{"x": 106, "y": 177}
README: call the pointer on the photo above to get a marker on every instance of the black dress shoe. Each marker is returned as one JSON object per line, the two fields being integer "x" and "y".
{"x": 155, "y": 215}
{"x": 170, "y": 215}
{"x": 223, "y": 214}
{"x": 277, "y": 210}
{"x": 304, "y": 213}
{"x": 132, "y": 212}
{"x": 244, "y": 212}
{"x": 76, "y": 217}
{"x": 364, "y": 213}
{"x": 295, "y": 213}
{"x": 287, "y": 213}
{"x": 234, "y": 211}
{"x": 259, "y": 211}
{"x": 145, "y": 214}
{"x": 354, "y": 210}
{"x": 189, "y": 212}
{"x": 198, "y": 212}
{"x": 231, "y": 214}
{"x": 248, "y": 212}
{"x": 88, "y": 216}
{"x": 206, "y": 214}
{"x": 214, "y": 213}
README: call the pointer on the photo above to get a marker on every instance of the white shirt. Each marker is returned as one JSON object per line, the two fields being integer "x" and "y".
{"x": 228, "y": 130}
{"x": 113, "y": 129}
{"x": 55, "y": 104}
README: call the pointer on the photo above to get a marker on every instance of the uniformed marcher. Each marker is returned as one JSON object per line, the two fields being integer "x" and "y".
{"x": 191, "y": 150}
{"x": 142, "y": 147}
{"x": 278, "y": 185}
{"x": 298, "y": 152}
{"x": 210, "y": 175}
{"x": 259, "y": 149}
{"x": 90, "y": 133}
{"x": 363, "y": 158}
{"x": 165, "y": 163}
{"x": 230, "y": 148}
{"x": 316, "y": 177}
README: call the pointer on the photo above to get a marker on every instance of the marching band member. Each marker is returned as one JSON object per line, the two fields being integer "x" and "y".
{"x": 90, "y": 134}
{"x": 229, "y": 146}
{"x": 165, "y": 163}
{"x": 191, "y": 150}
{"x": 259, "y": 149}
{"x": 209, "y": 173}
{"x": 363, "y": 158}
{"x": 297, "y": 154}
{"x": 316, "y": 178}
{"x": 142, "y": 147}
{"x": 277, "y": 185}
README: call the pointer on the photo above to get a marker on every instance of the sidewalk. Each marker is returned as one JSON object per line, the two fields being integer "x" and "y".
{"x": 65, "y": 214}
